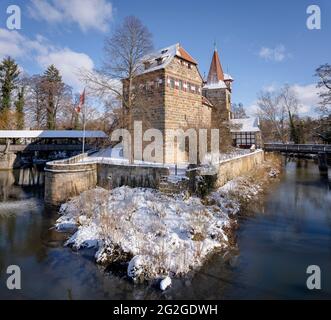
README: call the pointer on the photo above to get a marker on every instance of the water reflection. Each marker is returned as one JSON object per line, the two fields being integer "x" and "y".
{"x": 11, "y": 181}
{"x": 290, "y": 230}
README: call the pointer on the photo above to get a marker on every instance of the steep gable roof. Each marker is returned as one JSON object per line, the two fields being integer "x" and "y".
{"x": 216, "y": 73}
{"x": 182, "y": 53}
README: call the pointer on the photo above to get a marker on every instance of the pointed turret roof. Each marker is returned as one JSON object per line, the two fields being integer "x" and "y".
{"x": 217, "y": 79}
{"x": 216, "y": 73}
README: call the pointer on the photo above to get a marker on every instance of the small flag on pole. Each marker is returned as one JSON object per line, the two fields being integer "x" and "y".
{"x": 81, "y": 102}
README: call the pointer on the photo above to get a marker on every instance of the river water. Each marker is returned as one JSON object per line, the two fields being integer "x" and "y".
{"x": 285, "y": 234}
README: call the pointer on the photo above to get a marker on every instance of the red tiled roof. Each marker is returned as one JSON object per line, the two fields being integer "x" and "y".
{"x": 185, "y": 55}
{"x": 215, "y": 71}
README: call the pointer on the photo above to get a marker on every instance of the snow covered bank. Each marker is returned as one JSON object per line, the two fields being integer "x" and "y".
{"x": 240, "y": 192}
{"x": 160, "y": 235}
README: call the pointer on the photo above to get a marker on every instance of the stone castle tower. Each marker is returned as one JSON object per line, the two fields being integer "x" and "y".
{"x": 170, "y": 94}
{"x": 217, "y": 90}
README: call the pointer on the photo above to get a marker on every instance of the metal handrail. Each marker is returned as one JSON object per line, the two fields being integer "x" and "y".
{"x": 306, "y": 148}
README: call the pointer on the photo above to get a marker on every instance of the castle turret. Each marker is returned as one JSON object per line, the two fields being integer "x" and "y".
{"x": 216, "y": 73}
{"x": 217, "y": 89}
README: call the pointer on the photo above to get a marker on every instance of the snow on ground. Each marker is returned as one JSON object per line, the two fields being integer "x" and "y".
{"x": 234, "y": 193}
{"x": 159, "y": 236}
{"x": 115, "y": 155}
{"x": 162, "y": 235}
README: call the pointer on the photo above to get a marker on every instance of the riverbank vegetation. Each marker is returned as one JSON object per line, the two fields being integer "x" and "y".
{"x": 155, "y": 235}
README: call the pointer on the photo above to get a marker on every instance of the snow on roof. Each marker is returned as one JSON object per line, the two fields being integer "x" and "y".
{"x": 216, "y": 76}
{"x": 161, "y": 58}
{"x": 227, "y": 77}
{"x": 216, "y": 85}
{"x": 245, "y": 125}
{"x": 15, "y": 134}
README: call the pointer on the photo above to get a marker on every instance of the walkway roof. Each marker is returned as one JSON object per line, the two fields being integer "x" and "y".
{"x": 51, "y": 134}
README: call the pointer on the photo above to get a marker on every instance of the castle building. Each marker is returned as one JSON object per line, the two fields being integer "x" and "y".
{"x": 172, "y": 94}
{"x": 217, "y": 90}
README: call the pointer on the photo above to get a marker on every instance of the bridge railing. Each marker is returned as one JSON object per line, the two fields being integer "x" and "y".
{"x": 300, "y": 148}
{"x": 43, "y": 147}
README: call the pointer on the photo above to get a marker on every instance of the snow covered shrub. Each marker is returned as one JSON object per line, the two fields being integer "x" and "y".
{"x": 157, "y": 235}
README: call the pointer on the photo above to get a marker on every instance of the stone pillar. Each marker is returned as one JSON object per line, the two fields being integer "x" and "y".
{"x": 322, "y": 163}
{"x": 65, "y": 181}
{"x": 9, "y": 161}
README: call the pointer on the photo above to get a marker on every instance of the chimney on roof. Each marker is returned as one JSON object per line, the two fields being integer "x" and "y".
{"x": 147, "y": 64}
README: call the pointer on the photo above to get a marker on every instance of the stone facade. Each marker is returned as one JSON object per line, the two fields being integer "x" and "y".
{"x": 169, "y": 96}
{"x": 221, "y": 99}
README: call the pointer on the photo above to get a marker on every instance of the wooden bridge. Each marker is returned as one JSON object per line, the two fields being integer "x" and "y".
{"x": 323, "y": 151}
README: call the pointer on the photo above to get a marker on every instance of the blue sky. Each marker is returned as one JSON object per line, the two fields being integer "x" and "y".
{"x": 262, "y": 44}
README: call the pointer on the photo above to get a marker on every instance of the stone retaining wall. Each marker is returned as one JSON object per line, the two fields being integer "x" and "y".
{"x": 113, "y": 176}
{"x": 232, "y": 168}
{"x": 67, "y": 178}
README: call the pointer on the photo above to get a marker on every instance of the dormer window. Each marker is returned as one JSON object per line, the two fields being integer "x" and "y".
{"x": 159, "y": 61}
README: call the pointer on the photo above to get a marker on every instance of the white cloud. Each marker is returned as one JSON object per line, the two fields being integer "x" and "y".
{"x": 270, "y": 88}
{"x": 88, "y": 14}
{"x": 252, "y": 109}
{"x": 15, "y": 45}
{"x": 277, "y": 54}
{"x": 69, "y": 63}
{"x": 40, "y": 51}
{"x": 42, "y": 10}
{"x": 307, "y": 96}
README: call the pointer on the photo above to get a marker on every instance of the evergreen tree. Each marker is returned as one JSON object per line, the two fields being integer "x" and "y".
{"x": 53, "y": 87}
{"x": 9, "y": 76}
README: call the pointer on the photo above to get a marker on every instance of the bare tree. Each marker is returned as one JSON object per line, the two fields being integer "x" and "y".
{"x": 278, "y": 112}
{"x": 290, "y": 103}
{"x": 48, "y": 104}
{"x": 35, "y": 103}
{"x": 123, "y": 51}
{"x": 238, "y": 111}
{"x": 271, "y": 111}
{"x": 323, "y": 72}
